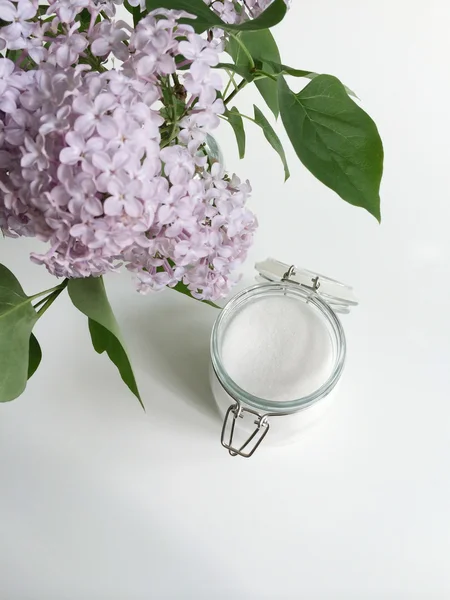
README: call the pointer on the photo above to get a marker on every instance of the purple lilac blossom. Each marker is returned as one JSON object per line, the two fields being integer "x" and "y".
{"x": 82, "y": 162}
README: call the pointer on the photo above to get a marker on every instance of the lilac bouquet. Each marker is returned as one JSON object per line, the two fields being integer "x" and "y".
{"x": 106, "y": 152}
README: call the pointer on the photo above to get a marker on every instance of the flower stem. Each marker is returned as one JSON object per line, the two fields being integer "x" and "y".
{"x": 176, "y": 80}
{"x": 235, "y": 91}
{"x": 269, "y": 75}
{"x": 238, "y": 114}
{"x": 51, "y": 298}
{"x": 57, "y": 287}
{"x": 41, "y": 302}
{"x": 230, "y": 81}
{"x": 174, "y": 132}
{"x": 245, "y": 50}
{"x": 94, "y": 62}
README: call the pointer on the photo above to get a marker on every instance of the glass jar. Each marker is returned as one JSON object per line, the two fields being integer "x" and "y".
{"x": 247, "y": 417}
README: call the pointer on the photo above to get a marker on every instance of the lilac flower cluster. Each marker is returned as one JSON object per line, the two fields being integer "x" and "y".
{"x": 109, "y": 167}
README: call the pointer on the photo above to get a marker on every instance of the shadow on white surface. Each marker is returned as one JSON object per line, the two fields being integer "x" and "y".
{"x": 176, "y": 343}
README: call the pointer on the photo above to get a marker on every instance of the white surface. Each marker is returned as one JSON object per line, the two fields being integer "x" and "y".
{"x": 278, "y": 348}
{"x": 100, "y": 501}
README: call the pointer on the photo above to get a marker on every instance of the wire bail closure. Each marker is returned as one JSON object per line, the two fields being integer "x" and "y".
{"x": 235, "y": 412}
{"x": 291, "y": 272}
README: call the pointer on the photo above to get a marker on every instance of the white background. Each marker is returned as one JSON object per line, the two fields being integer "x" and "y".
{"x": 99, "y": 501}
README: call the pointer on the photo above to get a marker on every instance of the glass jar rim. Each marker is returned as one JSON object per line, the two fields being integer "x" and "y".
{"x": 271, "y": 406}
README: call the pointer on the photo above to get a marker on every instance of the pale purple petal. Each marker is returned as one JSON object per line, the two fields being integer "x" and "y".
{"x": 133, "y": 207}
{"x": 145, "y": 66}
{"x": 82, "y": 105}
{"x": 79, "y": 230}
{"x": 7, "y": 10}
{"x": 199, "y": 70}
{"x": 104, "y": 102}
{"x": 25, "y": 9}
{"x": 114, "y": 187}
{"x": 12, "y": 32}
{"x": 6, "y": 67}
{"x": 102, "y": 161}
{"x": 107, "y": 127}
{"x": 100, "y": 47}
{"x": 69, "y": 156}
{"x": 166, "y": 64}
{"x": 85, "y": 124}
{"x": 76, "y": 140}
{"x": 112, "y": 207}
{"x": 93, "y": 206}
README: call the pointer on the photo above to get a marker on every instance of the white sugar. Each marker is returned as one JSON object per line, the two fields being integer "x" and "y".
{"x": 278, "y": 349}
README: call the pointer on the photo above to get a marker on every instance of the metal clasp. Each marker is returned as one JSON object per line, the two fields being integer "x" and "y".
{"x": 291, "y": 272}
{"x": 235, "y": 412}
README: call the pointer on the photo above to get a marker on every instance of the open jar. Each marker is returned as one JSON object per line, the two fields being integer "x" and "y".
{"x": 277, "y": 351}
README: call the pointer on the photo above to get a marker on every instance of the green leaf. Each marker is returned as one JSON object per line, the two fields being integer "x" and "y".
{"x": 89, "y": 296}
{"x": 273, "y": 15}
{"x": 9, "y": 280}
{"x": 35, "y": 356}
{"x": 262, "y": 48}
{"x": 17, "y": 318}
{"x": 236, "y": 122}
{"x": 183, "y": 289}
{"x": 279, "y": 69}
{"x": 272, "y": 138}
{"x": 135, "y": 11}
{"x": 207, "y": 18}
{"x": 84, "y": 18}
{"x": 242, "y": 70}
{"x": 335, "y": 139}
{"x": 268, "y": 90}
{"x": 42, "y": 9}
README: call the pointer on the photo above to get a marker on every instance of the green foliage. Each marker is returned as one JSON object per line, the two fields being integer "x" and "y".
{"x": 263, "y": 48}
{"x": 18, "y": 355}
{"x": 135, "y": 11}
{"x": 335, "y": 139}
{"x": 278, "y": 69}
{"x": 272, "y": 138}
{"x": 235, "y": 119}
{"x": 35, "y": 356}
{"x": 236, "y": 122}
{"x": 273, "y": 15}
{"x": 244, "y": 71}
{"x": 84, "y": 18}
{"x": 89, "y": 296}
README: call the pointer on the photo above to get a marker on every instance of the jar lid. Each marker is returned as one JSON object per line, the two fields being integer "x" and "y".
{"x": 339, "y": 296}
